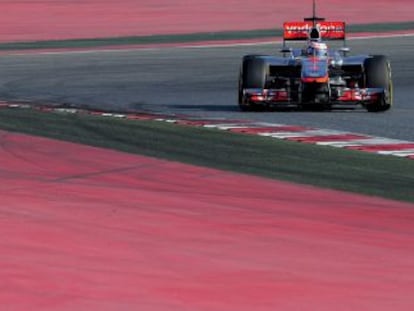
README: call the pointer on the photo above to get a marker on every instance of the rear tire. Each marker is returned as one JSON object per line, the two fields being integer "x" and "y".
{"x": 252, "y": 76}
{"x": 378, "y": 75}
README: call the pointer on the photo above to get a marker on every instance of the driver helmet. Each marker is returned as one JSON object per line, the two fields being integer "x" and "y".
{"x": 317, "y": 49}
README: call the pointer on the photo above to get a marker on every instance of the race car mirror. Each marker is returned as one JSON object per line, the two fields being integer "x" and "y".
{"x": 344, "y": 50}
{"x": 286, "y": 50}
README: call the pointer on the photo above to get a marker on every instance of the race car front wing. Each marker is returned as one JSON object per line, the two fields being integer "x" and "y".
{"x": 338, "y": 96}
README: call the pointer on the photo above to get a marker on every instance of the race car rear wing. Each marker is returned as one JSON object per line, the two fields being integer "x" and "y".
{"x": 300, "y": 31}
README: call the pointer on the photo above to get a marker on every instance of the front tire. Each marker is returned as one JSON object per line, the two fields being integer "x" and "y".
{"x": 378, "y": 75}
{"x": 252, "y": 76}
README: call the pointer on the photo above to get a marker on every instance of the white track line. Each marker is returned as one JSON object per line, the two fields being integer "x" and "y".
{"x": 369, "y": 141}
{"x": 309, "y": 133}
{"x": 229, "y": 126}
{"x": 399, "y": 153}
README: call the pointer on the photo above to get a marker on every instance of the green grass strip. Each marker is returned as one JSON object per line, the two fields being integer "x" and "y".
{"x": 328, "y": 167}
{"x": 187, "y": 38}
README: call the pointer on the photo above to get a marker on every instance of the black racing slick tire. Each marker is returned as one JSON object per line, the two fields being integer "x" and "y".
{"x": 378, "y": 75}
{"x": 252, "y": 76}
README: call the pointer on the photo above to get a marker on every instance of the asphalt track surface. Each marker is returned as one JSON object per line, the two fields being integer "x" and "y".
{"x": 196, "y": 82}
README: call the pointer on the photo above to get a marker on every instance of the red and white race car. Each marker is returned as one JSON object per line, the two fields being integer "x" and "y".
{"x": 315, "y": 75}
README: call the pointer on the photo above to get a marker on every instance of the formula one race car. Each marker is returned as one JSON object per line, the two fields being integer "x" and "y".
{"x": 315, "y": 76}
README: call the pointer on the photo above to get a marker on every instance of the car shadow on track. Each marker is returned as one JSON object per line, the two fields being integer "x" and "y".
{"x": 235, "y": 108}
{"x": 224, "y": 108}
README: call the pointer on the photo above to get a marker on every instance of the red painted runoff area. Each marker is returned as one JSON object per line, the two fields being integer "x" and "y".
{"x": 22, "y": 20}
{"x": 90, "y": 229}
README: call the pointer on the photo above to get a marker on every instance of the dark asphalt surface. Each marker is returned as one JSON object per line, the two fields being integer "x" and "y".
{"x": 194, "y": 81}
